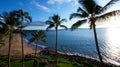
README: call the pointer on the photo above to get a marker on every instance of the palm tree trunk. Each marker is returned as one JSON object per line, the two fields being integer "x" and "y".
{"x": 36, "y": 49}
{"x": 97, "y": 46}
{"x": 35, "y": 64}
{"x": 9, "y": 50}
{"x": 22, "y": 51}
{"x": 56, "y": 45}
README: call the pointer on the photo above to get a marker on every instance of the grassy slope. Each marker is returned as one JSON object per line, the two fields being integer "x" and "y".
{"x": 62, "y": 62}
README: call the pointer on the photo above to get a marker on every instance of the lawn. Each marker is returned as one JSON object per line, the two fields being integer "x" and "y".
{"x": 44, "y": 61}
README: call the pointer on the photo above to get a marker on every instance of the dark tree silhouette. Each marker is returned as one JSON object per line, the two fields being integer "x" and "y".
{"x": 55, "y": 21}
{"x": 91, "y": 12}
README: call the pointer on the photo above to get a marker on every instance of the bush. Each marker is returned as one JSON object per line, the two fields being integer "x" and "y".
{"x": 2, "y": 64}
{"x": 28, "y": 57}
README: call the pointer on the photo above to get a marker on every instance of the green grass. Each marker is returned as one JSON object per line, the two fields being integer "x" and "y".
{"x": 62, "y": 62}
{"x": 16, "y": 63}
{"x": 28, "y": 63}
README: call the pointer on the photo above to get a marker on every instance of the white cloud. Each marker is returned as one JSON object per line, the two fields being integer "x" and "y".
{"x": 42, "y": 7}
{"x": 73, "y": 2}
{"x": 58, "y": 1}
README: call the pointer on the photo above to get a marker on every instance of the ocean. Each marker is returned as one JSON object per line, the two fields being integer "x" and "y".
{"x": 81, "y": 42}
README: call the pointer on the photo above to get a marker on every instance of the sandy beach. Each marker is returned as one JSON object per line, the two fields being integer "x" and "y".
{"x": 16, "y": 49}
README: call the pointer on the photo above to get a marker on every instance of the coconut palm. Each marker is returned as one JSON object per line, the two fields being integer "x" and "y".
{"x": 92, "y": 12}
{"x": 23, "y": 17}
{"x": 37, "y": 36}
{"x": 55, "y": 21}
{"x": 11, "y": 20}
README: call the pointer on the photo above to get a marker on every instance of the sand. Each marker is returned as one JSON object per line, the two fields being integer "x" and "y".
{"x": 16, "y": 49}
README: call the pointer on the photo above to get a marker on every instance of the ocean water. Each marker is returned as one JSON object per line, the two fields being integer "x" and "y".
{"x": 81, "y": 42}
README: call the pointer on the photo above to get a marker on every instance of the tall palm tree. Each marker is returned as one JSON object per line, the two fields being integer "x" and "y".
{"x": 92, "y": 12}
{"x": 11, "y": 20}
{"x": 37, "y": 36}
{"x": 23, "y": 17}
{"x": 55, "y": 21}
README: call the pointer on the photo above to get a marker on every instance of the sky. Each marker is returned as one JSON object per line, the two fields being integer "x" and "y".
{"x": 41, "y": 10}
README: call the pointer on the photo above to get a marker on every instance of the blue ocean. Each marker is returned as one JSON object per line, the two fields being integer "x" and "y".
{"x": 81, "y": 42}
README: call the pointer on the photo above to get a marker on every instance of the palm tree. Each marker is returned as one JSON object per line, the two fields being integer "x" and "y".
{"x": 92, "y": 12}
{"x": 37, "y": 36}
{"x": 11, "y": 20}
{"x": 23, "y": 17}
{"x": 55, "y": 21}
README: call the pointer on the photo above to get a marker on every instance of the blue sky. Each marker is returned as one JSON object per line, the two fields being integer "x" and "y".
{"x": 41, "y": 10}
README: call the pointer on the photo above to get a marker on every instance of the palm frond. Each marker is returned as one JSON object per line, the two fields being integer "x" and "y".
{"x": 49, "y": 27}
{"x": 3, "y": 24}
{"x": 88, "y": 5}
{"x": 77, "y": 15}
{"x": 80, "y": 10}
{"x": 63, "y": 26}
{"x": 29, "y": 18}
{"x": 63, "y": 20}
{"x": 108, "y": 15}
{"x": 97, "y": 9}
{"x": 24, "y": 33}
{"x": 54, "y": 21}
{"x": 50, "y": 23}
{"x": 43, "y": 40}
{"x": 56, "y": 18}
{"x": 39, "y": 35}
{"x": 78, "y": 23}
{"x": 31, "y": 40}
{"x": 109, "y": 4}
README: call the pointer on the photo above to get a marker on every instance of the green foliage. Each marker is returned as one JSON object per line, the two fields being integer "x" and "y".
{"x": 16, "y": 63}
{"x": 39, "y": 35}
{"x": 29, "y": 57}
{"x": 62, "y": 62}
{"x": 3, "y": 61}
{"x": 29, "y": 63}
{"x": 78, "y": 23}
{"x": 55, "y": 21}
{"x": 2, "y": 64}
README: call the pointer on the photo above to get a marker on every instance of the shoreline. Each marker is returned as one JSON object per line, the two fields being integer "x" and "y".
{"x": 82, "y": 58}
{"x": 77, "y": 56}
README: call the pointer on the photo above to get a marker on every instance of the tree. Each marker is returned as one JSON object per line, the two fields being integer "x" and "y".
{"x": 11, "y": 19}
{"x": 55, "y": 21}
{"x": 23, "y": 17}
{"x": 37, "y": 36}
{"x": 91, "y": 12}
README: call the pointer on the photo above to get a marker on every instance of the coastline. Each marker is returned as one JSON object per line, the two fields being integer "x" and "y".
{"x": 51, "y": 53}
{"x": 80, "y": 58}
